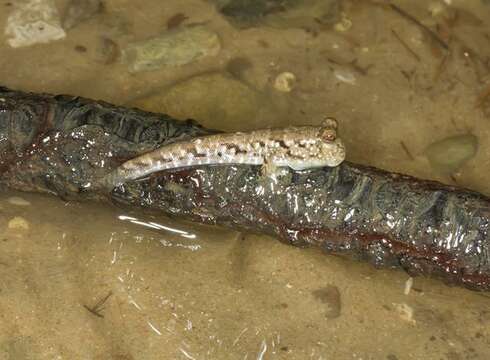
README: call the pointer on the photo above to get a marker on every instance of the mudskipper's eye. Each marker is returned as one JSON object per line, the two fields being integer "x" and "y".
{"x": 328, "y": 135}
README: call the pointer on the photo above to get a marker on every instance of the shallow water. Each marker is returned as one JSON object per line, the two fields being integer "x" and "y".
{"x": 93, "y": 281}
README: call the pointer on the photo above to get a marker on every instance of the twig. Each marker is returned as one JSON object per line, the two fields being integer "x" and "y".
{"x": 99, "y": 306}
{"x": 441, "y": 67}
{"x": 406, "y": 150}
{"x": 407, "y": 74}
{"x": 409, "y": 17}
{"x": 404, "y": 44}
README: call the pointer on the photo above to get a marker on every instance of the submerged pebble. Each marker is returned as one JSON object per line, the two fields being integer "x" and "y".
{"x": 449, "y": 154}
{"x": 405, "y": 312}
{"x": 344, "y": 24}
{"x": 16, "y": 200}
{"x": 33, "y": 22}
{"x": 285, "y": 81}
{"x": 18, "y": 223}
{"x": 345, "y": 76}
{"x": 176, "y": 47}
{"x": 408, "y": 286}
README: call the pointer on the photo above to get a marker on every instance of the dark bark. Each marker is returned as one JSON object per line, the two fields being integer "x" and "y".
{"x": 65, "y": 145}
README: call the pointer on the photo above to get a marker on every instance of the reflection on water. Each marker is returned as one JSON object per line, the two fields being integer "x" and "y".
{"x": 154, "y": 225}
{"x": 88, "y": 281}
{"x": 165, "y": 229}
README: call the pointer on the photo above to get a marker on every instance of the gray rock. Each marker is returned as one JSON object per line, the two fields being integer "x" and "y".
{"x": 449, "y": 154}
{"x": 33, "y": 22}
{"x": 176, "y": 47}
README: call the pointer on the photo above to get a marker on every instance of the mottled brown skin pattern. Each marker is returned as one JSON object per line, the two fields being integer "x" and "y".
{"x": 64, "y": 145}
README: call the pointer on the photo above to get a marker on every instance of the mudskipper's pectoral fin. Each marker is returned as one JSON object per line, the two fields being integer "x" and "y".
{"x": 268, "y": 168}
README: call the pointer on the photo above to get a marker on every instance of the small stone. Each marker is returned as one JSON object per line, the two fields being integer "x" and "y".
{"x": 33, "y": 22}
{"x": 173, "y": 48}
{"x": 16, "y": 200}
{"x": 408, "y": 286}
{"x": 450, "y": 154}
{"x": 285, "y": 82}
{"x": 405, "y": 312}
{"x": 344, "y": 24}
{"x": 217, "y": 99}
{"x": 345, "y": 76}
{"x": 18, "y": 223}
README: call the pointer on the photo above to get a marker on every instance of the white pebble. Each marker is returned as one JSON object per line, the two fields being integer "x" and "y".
{"x": 18, "y": 223}
{"x": 408, "y": 286}
{"x": 344, "y": 24}
{"x": 285, "y": 81}
{"x": 345, "y": 76}
{"x": 16, "y": 200}
{"x": 33, "y": 22}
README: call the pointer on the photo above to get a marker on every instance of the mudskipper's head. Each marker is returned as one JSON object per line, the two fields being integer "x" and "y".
{"x": 321, "y": 148}
{"x": 331, "y": 147}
